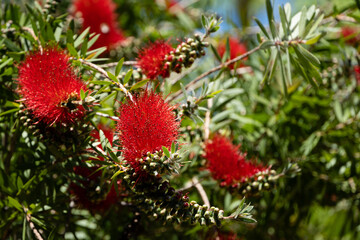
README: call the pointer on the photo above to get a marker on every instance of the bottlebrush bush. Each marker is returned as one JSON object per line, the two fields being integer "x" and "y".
{"x": 123, "y": 120}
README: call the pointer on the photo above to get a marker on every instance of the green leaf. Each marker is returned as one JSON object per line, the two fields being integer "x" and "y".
{"x": 266, "y": 44}
{"x": 108, "y": 97}
{"x": 166, "y": 152}
{"x": 263, "y": 29}
{"x": 226, "y": 55}
{"x": 173, "y": 147}
{"x": 270, "y": 68}
{"x": 287, "y": 10}
{"x": 82, "y": 94}
{"x": 284, "y": 82}
{"x": 203, "y": 21}
{"x": 84, "y": 47}
{"x": 119, "y": 66}
{"x": 302, "y": 22}
{"x": 215, "y": 53}
{"x": 69, "y": 37}
{"x": 127, "y": 76}
{"x": 270, "y": 15}
{"x": 139, "y": 84}
{"x": 112, "y": 77}
{"x": 288, "y": 68}
{"x": 13, "y": 202}
{"x": 79, "y": 39}
{"x": 103, "y": 140}
{"x": 92, "y": 41}
{"x": 316, "y": 24}
{"x": 72, "y": 50}
{"x": 49, "y": 32}
{"x": 211, "y": 95}
{"x": 112, "y": 155}
{"x": 308, "y": 55}
{"x": 283, "y": 20}
{"x": 338, "y": 111}
{"x": 116, "y": 174}
{"x": 315, "y": 39}
{"x": 9, "y": 111}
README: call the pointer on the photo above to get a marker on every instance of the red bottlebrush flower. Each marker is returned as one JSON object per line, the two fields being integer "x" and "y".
{"x": 226, "y": 163}
{"x": 351, "y": 34}
{"x": 100, "y": 16}
{"x": 152, "y": 59}
{"x": 86, "y": 195}
{"x": 48, "y": 85}
{"x": 146, "y": 125}
{"x": 236, "y": 49}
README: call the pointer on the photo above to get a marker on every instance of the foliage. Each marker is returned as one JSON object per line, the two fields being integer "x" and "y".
{"x": 291, "y": 101}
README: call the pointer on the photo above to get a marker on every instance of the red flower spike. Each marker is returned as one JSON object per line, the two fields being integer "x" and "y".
{"x": 86, "y": 196}
{"x": 100, "y": 16}
{"x": 352, "y": 33}
{"x": 48, "y": 85}
{"x": 152, "y": 59}
{"x": 226, "y": 163}
{"x": 236, "y": 49}
{"x": 146, "y": 125}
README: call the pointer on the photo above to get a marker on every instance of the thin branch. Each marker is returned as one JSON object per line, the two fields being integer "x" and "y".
{"x": 103, "y": 72}
{"x": 32, "y": 226}
{"x": 207, "y": 119}
{"x": 201, "y": 191}
{"x": 217, "y": 68}
{"x": 113, "y": 64}
{"x": 107, "y": 116}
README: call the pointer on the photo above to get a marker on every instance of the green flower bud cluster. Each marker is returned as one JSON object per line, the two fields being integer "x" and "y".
{"x": 158, "y": 163}
{"x": 63, "y": 136}
{"x": 185, "y": 54}
{"x": 189, "y": 108}
{"x": 261, "y": 181}
{"x": 156, "y": 198}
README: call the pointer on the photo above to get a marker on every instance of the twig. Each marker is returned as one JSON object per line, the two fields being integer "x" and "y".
{"x": 32, "y": 226}
{"x": 29, "y": 30}
{"x": 217, "y": 68}
{"x": 113, "y": 64}
{"x": 207, "y": 119}
{"x": 107, "y": 116}
{"x": 201, "y": 191}
{"x": 103, "y": 72}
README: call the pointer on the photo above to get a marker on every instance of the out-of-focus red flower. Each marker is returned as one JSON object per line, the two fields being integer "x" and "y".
{"x": 146, "y": 125}
{"x": 236, "y": 49}
{"x": 227, "y": 163}
{"x": 172, "y": 6}
{"x": 357, "y": 74}
{"x": 226, "y": 236}
{"x": 351, "y": 33}
{"x": 100, "y": 16}
{"x": 49, "y": 85}
{"x": 152, "y": 59}
{"x": 87, "y": 195}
